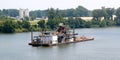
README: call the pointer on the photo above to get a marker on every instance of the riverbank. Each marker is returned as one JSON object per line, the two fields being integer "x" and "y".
{"x": 11, "y": 26}
{"x": 39, "y": 30}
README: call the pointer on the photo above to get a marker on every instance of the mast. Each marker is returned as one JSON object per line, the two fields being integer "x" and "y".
{"x": 74, "y": 32}
{"x": 31, "y": 36}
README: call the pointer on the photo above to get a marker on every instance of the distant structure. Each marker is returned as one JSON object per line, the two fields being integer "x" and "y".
{"x": 23, "y": 13}
{"x": 83, "y": 18}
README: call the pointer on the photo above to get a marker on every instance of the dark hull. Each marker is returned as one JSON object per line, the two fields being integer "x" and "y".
{"x": 38, "y": 44}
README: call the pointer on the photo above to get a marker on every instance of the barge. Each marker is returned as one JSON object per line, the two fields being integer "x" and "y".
{"x": 62, "y": 35}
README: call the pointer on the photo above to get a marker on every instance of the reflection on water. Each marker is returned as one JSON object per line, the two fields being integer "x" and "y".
{"x": 106, "y": 46}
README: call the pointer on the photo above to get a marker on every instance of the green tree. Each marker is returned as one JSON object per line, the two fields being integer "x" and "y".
{"x": 13, "y": 12}
{"x": 26, "y": 18}
{"x": 51, "y": 24}
{"x": 51, "y": 13}
{"x": 71, "y": 22}
{"x": 98, "y": 14}
{"x": 76, "y": 23}
{"x": 8, "y": 27}
{"x": 88, "y": 24}
{"x": 18, "y": 25}
{"x": 5, "y": 12}
{"x": 1, "y": 26}
{"x": 33, "y": 15}
{"x": 42, "y": 24}
{"x": 81, "y": 11}
{"x": 70, "y": 13}
{"x": 95, "y": 23}
{"x": 104, "y": 13}
{"x": 0, "y": 12}
{"x": 79, "y": 23}
{"x": 110, "y": 23}
{"x": 38, "y": 14}
{"x": 26, "y": 24}
{"x": 103, "y": 23}
{"x": 110, "y": 12}
{"x": 117, "y": 20}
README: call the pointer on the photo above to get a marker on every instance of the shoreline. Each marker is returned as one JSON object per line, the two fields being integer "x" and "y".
{"x": 70, "y": 29}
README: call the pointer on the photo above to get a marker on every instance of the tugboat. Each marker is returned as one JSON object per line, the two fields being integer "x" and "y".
{"x": 62, "y": 35}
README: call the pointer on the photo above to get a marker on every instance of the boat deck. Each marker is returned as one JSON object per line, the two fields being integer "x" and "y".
{"x": 77, "y": 40}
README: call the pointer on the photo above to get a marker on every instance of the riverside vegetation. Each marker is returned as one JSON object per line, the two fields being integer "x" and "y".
{"x": 56, "y": 16}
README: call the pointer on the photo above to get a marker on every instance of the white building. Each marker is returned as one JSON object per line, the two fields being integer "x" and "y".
{"x": 23, "y": 13}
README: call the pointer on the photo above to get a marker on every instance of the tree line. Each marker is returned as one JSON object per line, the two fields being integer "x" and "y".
{"x": 11, "y": 26}
{"x": 9, "y": 12}
{"x": 56, "y": 16}
{"x": 79, "y": 11}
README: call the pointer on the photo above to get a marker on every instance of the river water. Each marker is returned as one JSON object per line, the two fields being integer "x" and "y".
{"x": 106, "y": 46}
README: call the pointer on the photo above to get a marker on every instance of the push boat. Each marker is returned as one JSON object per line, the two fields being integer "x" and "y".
{"x": 62, "y": 35}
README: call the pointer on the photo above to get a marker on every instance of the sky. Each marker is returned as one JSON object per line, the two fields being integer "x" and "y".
{"x": 61, "y": 4}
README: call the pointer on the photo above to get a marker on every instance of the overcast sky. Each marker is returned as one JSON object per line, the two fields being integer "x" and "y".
{"x": 61, "y": 4}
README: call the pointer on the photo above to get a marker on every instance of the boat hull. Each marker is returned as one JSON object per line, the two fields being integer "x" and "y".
{"x": 76, "y": 41}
